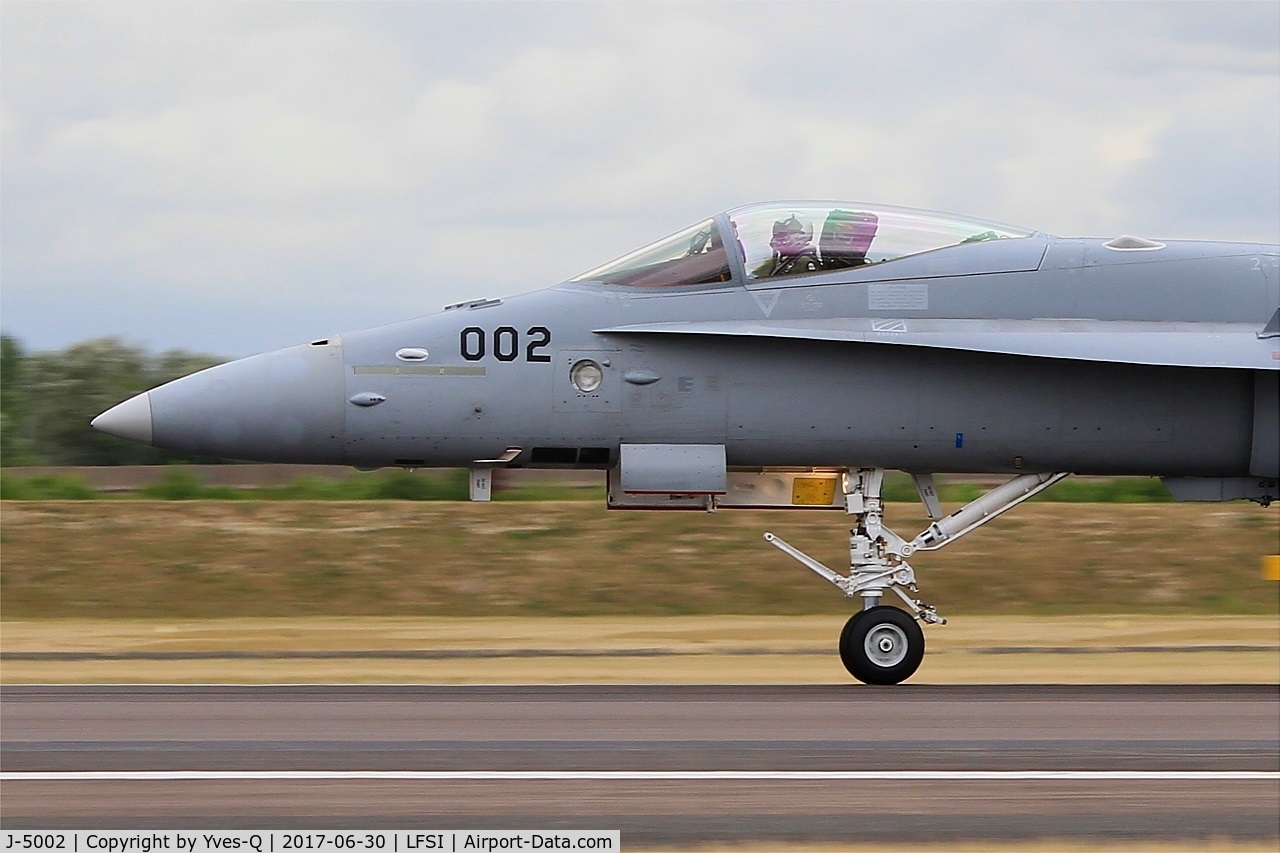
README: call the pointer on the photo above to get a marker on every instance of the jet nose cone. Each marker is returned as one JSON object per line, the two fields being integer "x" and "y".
{"x": 282, "y": 406}
{"x": 129, "y": 420}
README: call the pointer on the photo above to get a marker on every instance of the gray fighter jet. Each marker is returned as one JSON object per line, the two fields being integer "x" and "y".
{"x": 784, "y": 355}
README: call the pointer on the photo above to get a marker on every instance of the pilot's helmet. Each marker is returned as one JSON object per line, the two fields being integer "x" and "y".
{"x": 791, "y": 235}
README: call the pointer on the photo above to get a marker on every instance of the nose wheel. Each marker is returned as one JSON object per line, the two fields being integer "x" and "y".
{"x": 882, "y": 645}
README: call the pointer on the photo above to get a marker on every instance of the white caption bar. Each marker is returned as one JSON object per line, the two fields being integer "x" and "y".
{"x": 316, "y": 841}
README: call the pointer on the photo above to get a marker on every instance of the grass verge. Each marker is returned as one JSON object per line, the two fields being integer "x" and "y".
{"x": 218, "y": 559}
{"x": 701, "y": 649}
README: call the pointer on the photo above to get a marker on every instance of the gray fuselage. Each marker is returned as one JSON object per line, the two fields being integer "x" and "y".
{"x": 495, "y": 373}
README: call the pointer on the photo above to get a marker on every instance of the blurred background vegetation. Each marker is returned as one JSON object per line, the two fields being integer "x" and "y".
{"x": 182, "y": 482}
{"x": 48, "y": 398}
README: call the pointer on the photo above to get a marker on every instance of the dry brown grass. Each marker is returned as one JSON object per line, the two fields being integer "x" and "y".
{"x": 679, "y": 649}
{"x": 210, "y": 559}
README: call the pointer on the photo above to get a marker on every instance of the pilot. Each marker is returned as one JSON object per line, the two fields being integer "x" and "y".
{"x": 793, "y": 252}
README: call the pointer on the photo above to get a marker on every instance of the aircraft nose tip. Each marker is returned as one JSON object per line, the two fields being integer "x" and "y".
{"x": 129, "y": 420}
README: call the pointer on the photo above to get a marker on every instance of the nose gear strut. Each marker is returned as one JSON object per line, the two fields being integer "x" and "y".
{"x": 878, "y": 562}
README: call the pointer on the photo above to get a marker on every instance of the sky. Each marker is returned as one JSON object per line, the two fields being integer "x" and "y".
{"x": 230, "y": 178}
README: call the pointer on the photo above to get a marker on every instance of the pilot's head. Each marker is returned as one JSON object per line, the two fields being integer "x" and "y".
{"x": 791, "y": 236}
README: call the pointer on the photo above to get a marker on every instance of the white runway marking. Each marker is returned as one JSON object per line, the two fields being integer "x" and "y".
{"x": 646, "y": 775}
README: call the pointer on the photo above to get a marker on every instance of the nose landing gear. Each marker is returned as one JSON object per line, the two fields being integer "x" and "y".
{"x": 881, "y": 644}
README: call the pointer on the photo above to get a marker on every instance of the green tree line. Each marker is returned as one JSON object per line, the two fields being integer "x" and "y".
{"x": 47, "y": 399}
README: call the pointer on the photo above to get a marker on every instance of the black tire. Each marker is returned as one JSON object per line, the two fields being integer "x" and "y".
{"x": 883, "y": 645}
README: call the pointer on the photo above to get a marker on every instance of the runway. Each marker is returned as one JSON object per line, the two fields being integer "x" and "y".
{"x": 664, "y": 764}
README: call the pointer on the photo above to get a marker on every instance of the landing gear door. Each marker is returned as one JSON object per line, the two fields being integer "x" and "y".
{"x": 669, "y": 476}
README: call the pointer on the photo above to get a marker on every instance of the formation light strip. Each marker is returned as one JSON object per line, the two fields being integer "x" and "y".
{"x": 418, "y": 370}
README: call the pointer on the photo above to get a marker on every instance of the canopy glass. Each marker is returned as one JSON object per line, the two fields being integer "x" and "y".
{"x": 787, "y": 239}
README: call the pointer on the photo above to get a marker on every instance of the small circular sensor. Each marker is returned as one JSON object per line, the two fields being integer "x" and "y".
{"x": 586, "y": 375}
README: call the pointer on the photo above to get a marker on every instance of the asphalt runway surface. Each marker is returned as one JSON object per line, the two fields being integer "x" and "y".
{"x": 667, "y": 765}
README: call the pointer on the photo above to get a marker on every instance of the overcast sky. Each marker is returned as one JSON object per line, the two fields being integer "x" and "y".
{"x": 236, "y": 177}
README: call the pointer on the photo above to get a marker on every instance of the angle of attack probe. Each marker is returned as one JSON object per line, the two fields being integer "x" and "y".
{"x": 784, "y": 356}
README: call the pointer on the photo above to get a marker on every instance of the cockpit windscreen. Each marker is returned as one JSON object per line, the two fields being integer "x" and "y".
{"x": 695, "y": 255}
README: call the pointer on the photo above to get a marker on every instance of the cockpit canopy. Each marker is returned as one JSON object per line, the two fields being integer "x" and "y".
{"x": 773, "y": 240}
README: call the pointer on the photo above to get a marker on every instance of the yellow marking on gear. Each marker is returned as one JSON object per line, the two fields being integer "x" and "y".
{"x": 1271, "y": 567}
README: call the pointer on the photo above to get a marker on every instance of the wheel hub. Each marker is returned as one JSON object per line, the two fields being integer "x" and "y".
{"x": 886, "y": 645}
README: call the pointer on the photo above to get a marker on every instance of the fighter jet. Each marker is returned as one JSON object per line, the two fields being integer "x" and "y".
{"x": 785, "y": 355}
